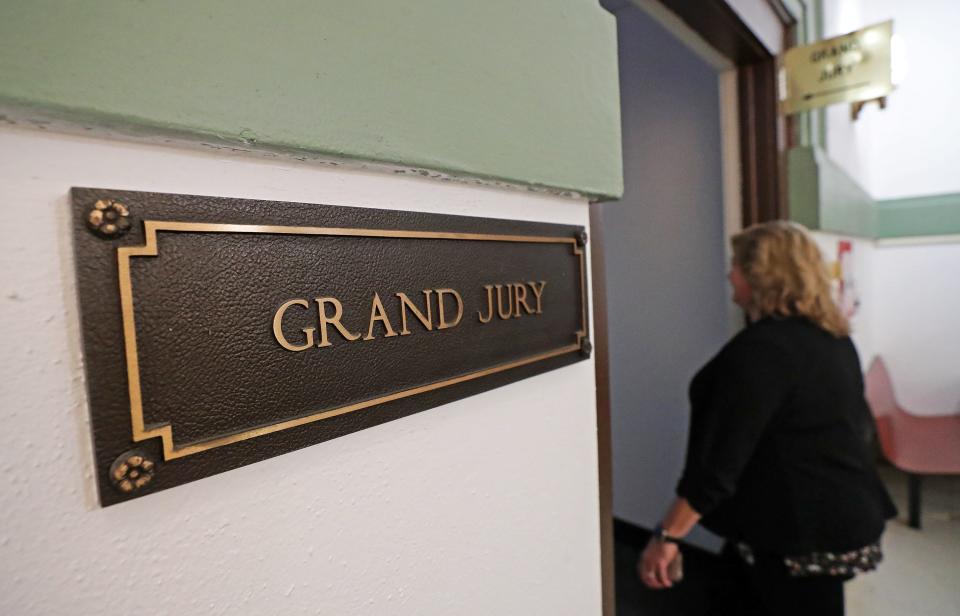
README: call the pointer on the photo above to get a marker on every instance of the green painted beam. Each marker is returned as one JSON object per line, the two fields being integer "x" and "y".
{"x": 517, "y": 91}
{"x": 919, "y": 216}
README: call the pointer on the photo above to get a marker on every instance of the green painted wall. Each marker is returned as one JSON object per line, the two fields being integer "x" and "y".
{"x": 822, "y": 196}
{"x": 803, "y": 187}
{"x": 523, "y": 91}
{"x": 845, "y": 206}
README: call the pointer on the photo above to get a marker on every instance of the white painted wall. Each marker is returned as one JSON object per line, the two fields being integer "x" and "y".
{"x": 912, "y": 147}
{"x": 484, "y": 506}
{"x": 918, "y": 308}
{"x": 909, "y": 301}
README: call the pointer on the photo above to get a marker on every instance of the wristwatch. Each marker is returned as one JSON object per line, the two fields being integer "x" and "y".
{"x": 660, "y": 534}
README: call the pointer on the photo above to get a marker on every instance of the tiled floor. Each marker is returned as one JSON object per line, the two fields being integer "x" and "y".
{"x": 920, "y": 575}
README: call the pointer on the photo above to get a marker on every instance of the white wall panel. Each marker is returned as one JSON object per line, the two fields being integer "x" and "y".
{"x": 484, "y": 506}
{"x": 918, "y": 333}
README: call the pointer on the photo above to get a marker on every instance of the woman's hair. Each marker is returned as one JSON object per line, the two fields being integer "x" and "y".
{"x": 783, "y": 266}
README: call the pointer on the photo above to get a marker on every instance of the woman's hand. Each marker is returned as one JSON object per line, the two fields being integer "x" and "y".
{"x": 653, "y": 565}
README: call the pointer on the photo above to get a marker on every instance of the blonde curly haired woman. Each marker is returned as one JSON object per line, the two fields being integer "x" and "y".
{"x": 777, "y": 459}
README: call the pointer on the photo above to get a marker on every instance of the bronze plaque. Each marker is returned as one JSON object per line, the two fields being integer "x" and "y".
{"x": 220, "y": 332}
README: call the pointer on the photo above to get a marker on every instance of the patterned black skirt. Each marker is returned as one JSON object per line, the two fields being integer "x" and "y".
{"x": 843, "y": 564}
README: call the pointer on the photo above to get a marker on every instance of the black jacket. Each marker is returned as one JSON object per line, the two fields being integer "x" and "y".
{"x": 777, "y": 455}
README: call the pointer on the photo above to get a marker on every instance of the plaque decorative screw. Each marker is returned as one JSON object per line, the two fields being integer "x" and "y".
{"x": 586, "y": 348}
{"x": 108, "y": 219}
{"x": 131, "y": 471}
{"x": 582, "y": 238}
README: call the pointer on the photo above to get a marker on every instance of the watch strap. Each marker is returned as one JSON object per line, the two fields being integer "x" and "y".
{"x": 660, "y": 534}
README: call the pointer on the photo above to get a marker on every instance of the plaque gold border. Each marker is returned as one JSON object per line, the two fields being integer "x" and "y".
{"x": 150, "y": 249}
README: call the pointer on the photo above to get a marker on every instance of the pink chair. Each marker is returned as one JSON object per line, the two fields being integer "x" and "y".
{"x": 916, "y": 445}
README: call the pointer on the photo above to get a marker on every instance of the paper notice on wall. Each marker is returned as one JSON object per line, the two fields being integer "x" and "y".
{"x": 842, "y": 280}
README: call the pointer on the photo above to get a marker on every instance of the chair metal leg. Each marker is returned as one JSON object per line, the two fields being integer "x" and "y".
{"x": 913, "y": 494}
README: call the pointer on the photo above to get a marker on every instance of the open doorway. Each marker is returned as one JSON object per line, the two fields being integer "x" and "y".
{"x": 701, "y": 158}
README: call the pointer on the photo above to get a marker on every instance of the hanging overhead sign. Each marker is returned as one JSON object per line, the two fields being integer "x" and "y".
{"x": 845, "y": 69}
{"x": 220, "y": 332}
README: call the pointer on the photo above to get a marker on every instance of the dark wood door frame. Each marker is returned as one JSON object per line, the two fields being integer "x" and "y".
{"x": 763, "y": 139}
{"x": 761, "y": 174}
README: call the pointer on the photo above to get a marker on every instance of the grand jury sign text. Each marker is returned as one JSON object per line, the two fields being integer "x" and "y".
{"x": 439, "y": 309}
